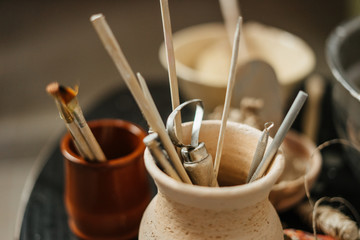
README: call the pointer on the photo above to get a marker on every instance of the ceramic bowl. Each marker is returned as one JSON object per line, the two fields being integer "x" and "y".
{"x": 301, "y": 158}
{"x": 203, "y": 56}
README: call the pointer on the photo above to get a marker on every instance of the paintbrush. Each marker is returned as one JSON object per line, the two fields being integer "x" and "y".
{"x": 68, "y": 97}
{"x": 79, "y": 140}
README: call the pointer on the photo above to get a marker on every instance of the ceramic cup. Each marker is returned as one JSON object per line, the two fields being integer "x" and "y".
{"x": 233, "y": 211}
{"x": 301, "y": 159}
{"x": 203, "y": 54}
{"x": 107, "y": 200}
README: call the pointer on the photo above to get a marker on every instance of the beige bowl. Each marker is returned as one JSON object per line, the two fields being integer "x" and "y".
{"x": 203, "y": 56}
{"x": 290, "y": 190}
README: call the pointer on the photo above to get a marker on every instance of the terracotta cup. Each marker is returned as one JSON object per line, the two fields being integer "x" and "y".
{"x": 107, "y": 200}
{"x": 233, "y": 211}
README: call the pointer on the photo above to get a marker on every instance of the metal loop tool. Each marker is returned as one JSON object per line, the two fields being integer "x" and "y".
{"x": 197, "y": 161}
{"x": 199, "y": 114}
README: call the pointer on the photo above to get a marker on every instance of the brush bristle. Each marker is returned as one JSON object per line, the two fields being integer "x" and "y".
{"x": 52, "y": 88}
{"x": 67, "y": 94}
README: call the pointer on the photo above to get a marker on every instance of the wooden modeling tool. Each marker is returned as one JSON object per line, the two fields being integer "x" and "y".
{"x": 148, "y": 96}
{"x": 230, "y": 11}
{"x": 170, "y": 58}
{"x": 151, "y": 115}
{"x": 228, "y": 96}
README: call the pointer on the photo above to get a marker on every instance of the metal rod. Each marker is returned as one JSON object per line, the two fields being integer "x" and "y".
{"x": 280, "y": 135}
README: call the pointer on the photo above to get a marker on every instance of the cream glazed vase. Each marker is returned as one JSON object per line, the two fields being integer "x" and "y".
{"x": 233, "y": 211}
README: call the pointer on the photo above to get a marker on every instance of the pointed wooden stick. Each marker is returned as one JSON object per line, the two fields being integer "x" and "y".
{"x": 229, "y": 90}
{"x": 230, "y": 11}
{"x": 170, "y": 57}
{"x": 115, "y": 52}
{"x": 147, "y": 94}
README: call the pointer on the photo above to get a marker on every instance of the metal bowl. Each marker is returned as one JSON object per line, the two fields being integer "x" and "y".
{"x": 343, "y": 58}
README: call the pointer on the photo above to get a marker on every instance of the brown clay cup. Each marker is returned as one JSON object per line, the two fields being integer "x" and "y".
{"x": 107, "y": 200}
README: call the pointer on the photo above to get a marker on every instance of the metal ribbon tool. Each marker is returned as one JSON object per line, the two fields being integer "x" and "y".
{"x": 260, "y": 149}
{"x": 198, "y": 162}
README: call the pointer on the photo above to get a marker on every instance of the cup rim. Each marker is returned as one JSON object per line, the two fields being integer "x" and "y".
{"x": 121, "y": 161}
{"x": 315, "y": 161}
{"x": 265, "y": 182}
{"x": 189, "y": 74}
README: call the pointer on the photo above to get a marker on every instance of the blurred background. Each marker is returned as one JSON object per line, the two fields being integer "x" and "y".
{"x": 45, "y": 41}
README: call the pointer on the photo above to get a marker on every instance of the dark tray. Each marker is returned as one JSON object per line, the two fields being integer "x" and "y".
{"x": 45, "y": 217}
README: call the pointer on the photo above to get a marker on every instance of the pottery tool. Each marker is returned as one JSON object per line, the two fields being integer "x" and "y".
{"x": 230, "y": 11}
{"x": 280, "y": 135}
{"x": 79, "y": 140}
{"x": 148, "y": 96}
{"x": 153, "y": 144}
{"x": 315, "y": 87}
{"x": 260, "y": 149}
{"x": 197, "y": 161}
{"x": 68, "y": 96}
{"x": 170, "y": 58}
{"x": 151, "y": 115}
{"x": 257, "y": 79}
{"x": 229, "y": 91}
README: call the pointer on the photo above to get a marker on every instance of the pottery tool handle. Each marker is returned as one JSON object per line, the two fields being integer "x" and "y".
{"x": 280, "y": 135}
{"x": 198, "y": 164}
